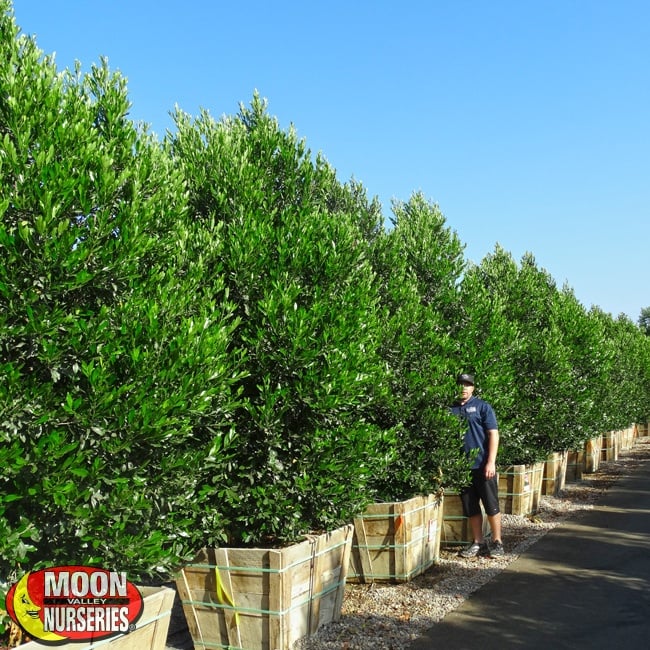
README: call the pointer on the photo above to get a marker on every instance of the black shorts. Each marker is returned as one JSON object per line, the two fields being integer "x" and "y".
{"x": 482, "y": 490}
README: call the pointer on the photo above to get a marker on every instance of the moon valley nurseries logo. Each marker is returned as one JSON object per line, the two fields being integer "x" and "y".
{"x": 74, "y": 603}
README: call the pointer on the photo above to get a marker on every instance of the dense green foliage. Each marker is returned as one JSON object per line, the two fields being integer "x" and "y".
{"x": 556, "y": 373}
{"x": 211, "y": 340}
{"x": 295, "y": 263}
{"x": 419, "y": 263}
{"x": 113, "y": 378}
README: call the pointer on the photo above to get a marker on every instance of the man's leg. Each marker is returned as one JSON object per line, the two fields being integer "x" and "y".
{"x": 495, "y": 526}
{"x": 471, "y": 504}
{"x": 476, "y": 525}
{"x": 490, "y": 498}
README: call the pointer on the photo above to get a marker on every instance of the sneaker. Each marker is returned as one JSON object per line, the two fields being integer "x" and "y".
{"x": 496, "y": 549}
{"x": 475, "y": 550}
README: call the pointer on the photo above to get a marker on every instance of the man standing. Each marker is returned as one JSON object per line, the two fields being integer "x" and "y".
{"x": 481, "y": 441}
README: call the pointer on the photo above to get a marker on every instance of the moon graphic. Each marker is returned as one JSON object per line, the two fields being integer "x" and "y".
{"x": 28, "y": 613}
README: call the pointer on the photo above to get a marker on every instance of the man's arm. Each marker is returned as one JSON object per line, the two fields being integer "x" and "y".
{"x": 493, "y": 447}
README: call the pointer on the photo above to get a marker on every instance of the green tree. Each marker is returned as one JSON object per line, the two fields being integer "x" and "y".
{"x": 623, "y": 392}
{"x": 114, "y": 380}
{"x": 644, "y": 320}
{"x": 295, "y": 263}
{"x": 511, "y": 337}
{"x": 588, "y": 359}
{"x": 418, "y": 264}
{"x": 542, "y": 367}
{"x": 488, "y": 337}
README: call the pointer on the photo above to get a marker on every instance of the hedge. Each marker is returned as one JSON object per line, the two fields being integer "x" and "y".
{"x": 211, "y": 340}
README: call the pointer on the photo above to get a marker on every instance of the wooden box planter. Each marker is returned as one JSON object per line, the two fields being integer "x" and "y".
{"x": 643, "y": 430}
{"x": 555, "y": 469}
{"x": 456, "y": 530}
{"x": 575, "y": 465}
{"x": 150, "y": 631}
{"x": 265, "y": 599}
{"x": 627, "y": 437}
{"x": 394, "y": 542}
{"x": 520, "y": 489}
{"x": 611, "y": 445}
{"x": 593, "y": 453}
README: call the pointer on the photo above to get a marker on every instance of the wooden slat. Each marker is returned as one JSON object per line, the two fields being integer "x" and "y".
{"x": 575, "y": 465}
{"x": 593, "y": 450}
{"x": 361, "y": 550}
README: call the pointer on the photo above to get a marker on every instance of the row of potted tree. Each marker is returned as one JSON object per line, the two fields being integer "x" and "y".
{"x": 209, "y": 341}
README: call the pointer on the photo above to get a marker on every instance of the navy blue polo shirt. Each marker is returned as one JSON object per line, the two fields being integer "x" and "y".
{"x": 480, "y": 418}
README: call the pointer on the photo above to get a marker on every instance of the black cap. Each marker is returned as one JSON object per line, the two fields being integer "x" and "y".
{"x": 465, "y": 379}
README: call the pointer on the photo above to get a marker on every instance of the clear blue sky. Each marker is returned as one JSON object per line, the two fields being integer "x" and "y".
{"x": 527, "y": 121}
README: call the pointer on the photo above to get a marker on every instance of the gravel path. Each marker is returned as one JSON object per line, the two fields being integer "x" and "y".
{"x": 391, "y": 617}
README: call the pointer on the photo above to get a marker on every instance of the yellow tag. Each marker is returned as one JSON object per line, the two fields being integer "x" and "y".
{"x": 224, "y": 597}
